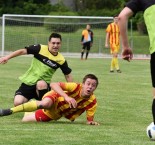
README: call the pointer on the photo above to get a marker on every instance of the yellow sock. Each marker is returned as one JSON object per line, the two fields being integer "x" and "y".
{"x": 112, "y": 64}
{"x": 26, "y": 107}
{"x": 116, "y": 63}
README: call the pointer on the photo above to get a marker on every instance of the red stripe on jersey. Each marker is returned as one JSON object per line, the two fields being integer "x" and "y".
{"x": 53, "y": 96}
{"x": 114, "y": 32}
{"x": 61, "y": 103}
{"x": 90, "y": 118}
{"x": 79, "y": 111}
{"x": 91, "y": 104}
{"x": 75, "y": 90}
{"x": 111, "y": 38}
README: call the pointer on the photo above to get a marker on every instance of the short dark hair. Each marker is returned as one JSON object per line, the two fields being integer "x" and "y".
{"x": 116, "y": 15}
{"x": 55, "y": 35}
{"x": 91, "y": 76}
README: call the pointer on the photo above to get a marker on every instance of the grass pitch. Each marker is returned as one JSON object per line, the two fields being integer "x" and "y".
{"x": 124, "y": 106}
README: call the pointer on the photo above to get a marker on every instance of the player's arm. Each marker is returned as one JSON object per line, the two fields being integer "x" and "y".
{"x": 57, "y": 88}
{"x": 90, "y": 111}
{"x": 90, "y": 121}
{"x": 82, "y": 38}
{"x": 69, "y": 78}
{"x": 107, "y": 40}
{"x": 92, "y": 38}
{"x": 19, "y": 52}
{"x": 66, "y": 71}
{"x": 122, "y": 21}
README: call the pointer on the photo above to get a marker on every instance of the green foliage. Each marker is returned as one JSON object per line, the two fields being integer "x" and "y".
{"x": 100, "y": 4}
{"x": 36, "y": 9}
{"x": 32, "y": 7}
{"x": 100, "y": 12}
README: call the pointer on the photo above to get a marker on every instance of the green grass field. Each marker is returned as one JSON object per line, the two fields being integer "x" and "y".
{"x": 124, "y": 106}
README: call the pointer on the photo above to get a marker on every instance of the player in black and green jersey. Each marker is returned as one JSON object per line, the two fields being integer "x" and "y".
{"x": 131, "y": 8}
{"x": 46, "y": 60}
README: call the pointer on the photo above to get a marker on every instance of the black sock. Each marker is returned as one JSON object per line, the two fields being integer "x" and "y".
{"x": 42, "y": 92}
{"x": 87, "y": 54}
{"x": 153, "y": 110}
{"x": 82, "y": 54}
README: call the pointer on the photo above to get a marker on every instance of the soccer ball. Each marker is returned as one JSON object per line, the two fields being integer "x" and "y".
{"x": 151, "y": 131}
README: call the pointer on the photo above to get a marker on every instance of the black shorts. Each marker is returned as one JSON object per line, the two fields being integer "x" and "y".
{"x": 28, "y": 92}
{"x": 86, "y": 45}
{"x": 152, "y": 67}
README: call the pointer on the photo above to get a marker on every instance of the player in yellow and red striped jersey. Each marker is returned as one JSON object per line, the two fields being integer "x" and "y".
{"x": 67, "y": 99}
{"x": 113, "y": 41}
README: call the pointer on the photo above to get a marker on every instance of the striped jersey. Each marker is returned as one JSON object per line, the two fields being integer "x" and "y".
{"x": 44, "y": 64}
{"x": 114, "y": 33}
{"x": 61, "y": 108}
{"x": 87, "y": 36}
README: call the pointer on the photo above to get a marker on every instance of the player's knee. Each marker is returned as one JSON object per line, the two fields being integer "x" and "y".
{"x": 41, "y": 85}
{"x": 29, "y": 117}
{"x": 18, "y": 100}
{"x": 45, "y": 103}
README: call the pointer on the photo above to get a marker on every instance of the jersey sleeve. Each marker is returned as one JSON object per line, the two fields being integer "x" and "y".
{"x": 69, "y": 86}
{"x": 65, "y": 68}
{"x": 108, "y": 28}
{"x": 33, "y": 49}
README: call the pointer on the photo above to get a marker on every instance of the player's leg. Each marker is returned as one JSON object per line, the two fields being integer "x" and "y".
{"x": 42, "y": 87}
{"x": 83, "y": 50}
{"x": 112, "y": 64}
{"x": 152, "y": 67}
{"x": 19, "y": 99}
{"x": 30, "y": 106}
{"x": 116, "y": 64}
{"x": 115, "y": 49}
{"x": 26, "y": 107}
{"x": 38, "y": 116}
{"x": 29, "y": 117}
{"x": 24, "y": 94}
{"x": 88, "y": 49}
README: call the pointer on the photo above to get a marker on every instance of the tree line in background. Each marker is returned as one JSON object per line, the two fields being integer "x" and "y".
{"x": 82, "y": 8}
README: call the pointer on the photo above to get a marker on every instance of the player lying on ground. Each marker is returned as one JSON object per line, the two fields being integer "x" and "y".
{"x": 67, "y": 100}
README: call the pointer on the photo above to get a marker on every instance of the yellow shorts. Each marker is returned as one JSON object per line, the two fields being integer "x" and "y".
{"x": 114, "y": 48}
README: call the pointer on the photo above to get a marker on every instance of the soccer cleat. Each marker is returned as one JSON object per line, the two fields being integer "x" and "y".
{"x": 5, "y": 112}
{"x": 111, "y": 71}
{"x": 119, "y": 71}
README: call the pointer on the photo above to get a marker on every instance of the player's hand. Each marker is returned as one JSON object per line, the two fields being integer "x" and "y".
{"x": 106, "y": 46}
{"x": 91, "y": 44}
{"x": 71, "y": 101}
{"x": 92, "y": 123}
{"x": 3, "y": 60}
{"x": 127, "y": 54}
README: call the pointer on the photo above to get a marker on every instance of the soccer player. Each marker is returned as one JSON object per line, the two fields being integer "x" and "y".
{"x": 66, "y": 99}
{"x": 113, "y": 41}
{"x": 86, "y": 41}
{"x": 131, "y": 8}
{"x": 46, "y": 60}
